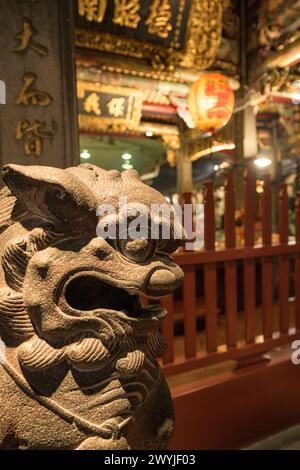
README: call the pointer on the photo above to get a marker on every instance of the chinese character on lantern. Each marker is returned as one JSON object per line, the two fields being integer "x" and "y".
{"x": 211, "y": 102}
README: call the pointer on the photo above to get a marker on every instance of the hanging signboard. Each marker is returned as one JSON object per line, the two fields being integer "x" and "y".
{"x": 106, "y": 107}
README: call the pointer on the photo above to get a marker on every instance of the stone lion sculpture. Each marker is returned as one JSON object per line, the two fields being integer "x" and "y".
{"x": 78, "y": 350}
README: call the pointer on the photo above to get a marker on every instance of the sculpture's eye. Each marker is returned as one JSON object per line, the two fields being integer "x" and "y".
{"x": 139, "y": 249}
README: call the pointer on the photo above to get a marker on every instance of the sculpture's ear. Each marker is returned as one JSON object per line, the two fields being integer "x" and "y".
{"x": 50, "y": 193}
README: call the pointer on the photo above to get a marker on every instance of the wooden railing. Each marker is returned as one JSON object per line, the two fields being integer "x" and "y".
{"x": 282, "y": 258}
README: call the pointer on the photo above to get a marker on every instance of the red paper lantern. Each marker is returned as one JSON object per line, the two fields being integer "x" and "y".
{"x": 211, "y": 102}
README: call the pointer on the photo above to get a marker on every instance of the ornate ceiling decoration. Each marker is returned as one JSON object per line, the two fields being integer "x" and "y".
{"x": 190, "y": 32}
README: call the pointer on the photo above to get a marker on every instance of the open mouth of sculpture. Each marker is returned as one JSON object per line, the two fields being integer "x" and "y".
{"x": 88, "y": 293}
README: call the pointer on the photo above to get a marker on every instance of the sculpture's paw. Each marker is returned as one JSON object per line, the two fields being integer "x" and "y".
{"x": 98, "y": 443}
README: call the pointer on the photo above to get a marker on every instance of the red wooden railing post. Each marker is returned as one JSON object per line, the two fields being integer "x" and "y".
{"x": 187, "y": 199}
{"x": 189, "y": 299}
{"x": 267, "y": 262}
{"x": 189, "y": 308}
{"x": 283, "y": 261}
{"x": 297, "y": 263}
{"x": 230, "y": 266}
{"x": 209, "y": 217}
{"x": 249, "y": 264}
{"x": 210, "y": 274}
{"x": 168, "y": 328}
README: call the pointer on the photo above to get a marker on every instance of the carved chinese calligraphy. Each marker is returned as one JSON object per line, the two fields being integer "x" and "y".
{"x": 126, "y": 13}
{"x": 93, "y": 10}
{"x": 39, "y": 120}
{"x": 28, "y": 96}
{"x": 25, "y": 39}
{"x": 92, "y": 104}
{"x": 108, "y": 107}
{"x": 158, "y": 21}
{"x": 32, "y": 136}
{"x": 116, "y": 107}
{"x": 169, "y": 34}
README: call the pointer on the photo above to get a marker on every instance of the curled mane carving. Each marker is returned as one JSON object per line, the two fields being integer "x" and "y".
{"x": 16, "y": 253}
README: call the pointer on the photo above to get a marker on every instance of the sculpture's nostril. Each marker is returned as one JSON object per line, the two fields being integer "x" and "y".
{"x": 162, "y": 280}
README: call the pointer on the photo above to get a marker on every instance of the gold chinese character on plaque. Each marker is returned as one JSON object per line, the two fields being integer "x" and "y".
{"x": 93, "y": 10}
{"x": 25, "y": 39}
{"x": 158, "y": 21}
{"x": 92, "y": 104}
{"x": 126, "y": 13}
{"x": 32, "y": 136}
{"x": 34, "y": 97}
{"x": 116, "y": 107}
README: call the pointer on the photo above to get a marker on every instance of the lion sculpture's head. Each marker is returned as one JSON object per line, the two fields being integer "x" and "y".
{"x": 70, "y": 299}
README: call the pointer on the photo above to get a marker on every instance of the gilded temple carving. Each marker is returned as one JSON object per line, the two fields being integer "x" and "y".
{"x": 126, "y": 13}
{"x": 24, "y": 38}
{"x": 28, "y": 95}
{"x": 116, "y": 107}
{"x": 93, "y": 10}
{"x": 33, "y": 135}
{"x": 158, "y": 21}
{"x": 92, "y": 104}
{"x": 200, "y": 45}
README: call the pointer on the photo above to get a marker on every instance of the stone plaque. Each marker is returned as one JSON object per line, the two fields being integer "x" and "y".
{"x": 38, "y": 122}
